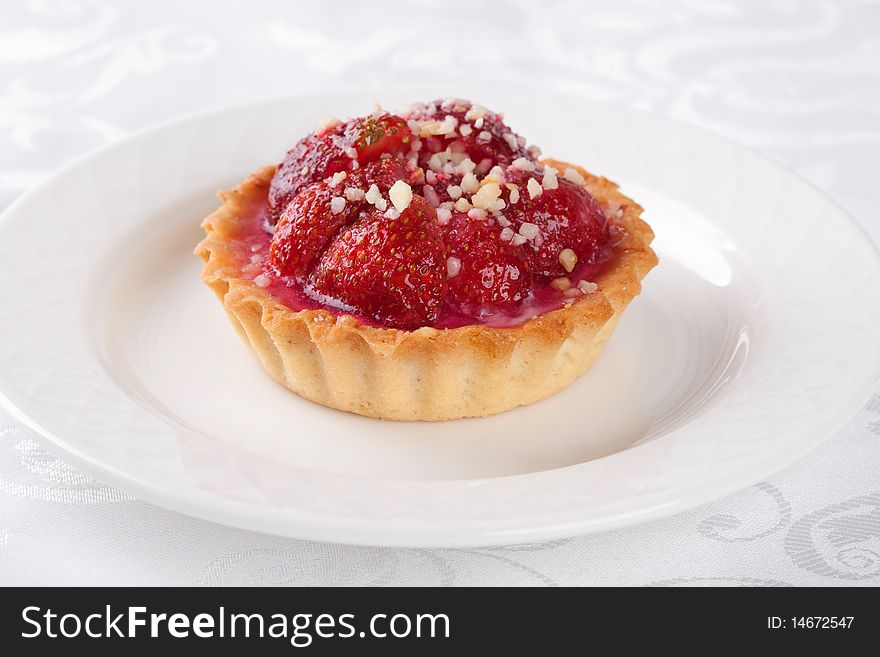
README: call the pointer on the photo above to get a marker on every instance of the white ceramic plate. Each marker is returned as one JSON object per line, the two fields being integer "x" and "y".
{"x": 755, "y": 337}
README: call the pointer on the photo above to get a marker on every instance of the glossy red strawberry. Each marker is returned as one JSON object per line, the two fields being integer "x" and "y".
{"x": 567, "y": 217}
{"x": 323, "y": 153}
{"x": 392, "y": 270}
{"x": 376, "y": 135}
{"x": 482, "y": 267}
{"x": 309, "y": 222}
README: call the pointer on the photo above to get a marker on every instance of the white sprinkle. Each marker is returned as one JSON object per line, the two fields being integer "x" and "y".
{"x": 400, "y": 195}
{"x": 337, "y": 204}
{"x": 373, "y": 194}
{"x": 587, "y": 287}
{"x": 496, "y": 174}
{"x": 467, "y": 165}
{"x": 502, "y": 220}
{"x": 462, "y": 205}
{"x": 476, "y": 112}
{"x": 549, "y": 181}
{"x": 514, "y": 194}
{"x": 338, "y": 178}
{"x": 506, "y": 234}
{"x": 351, "y": 152}
{"x": 435, "y": 163}
{"x": 454, "y": 192}
{"x": 484, "y": 137}
{"x": 444, "y": 216}
{"x": 450, "y": 123}
{"x": 381, "y": 205}
{"x": 535, "y": 189}
{"x": 477, "y": 213}
{"x": 354, "y": 194}
{"x": 415, "y": 145}
{"x": 262, "y": 281}
{"x": 523, "y": 164}
{"x": 562, "y": 283}
{"x": 453, "y": 266}
{"x": 465, "y": 130}
{"x": 534, "y": 151}
{"x": 568, "y": 259}
{"x": 327, "y": 123}
{"x": 486, "y": 196}
{"x": 573, "y": 292}
{"x": 528, "y": 230}
{"x": 518, "y": 240}
{"x": 478, "y": 124}
{"x": 391, "y": 213}
{"x": 469, "y": 183}
{"x": 573, "y": 176}
{"x": 510, "y": 138}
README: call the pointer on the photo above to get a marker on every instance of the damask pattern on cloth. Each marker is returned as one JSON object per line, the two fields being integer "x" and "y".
{"x": 798, "y": 80}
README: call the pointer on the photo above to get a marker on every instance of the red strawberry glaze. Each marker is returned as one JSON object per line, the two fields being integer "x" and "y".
{"x": 340, "y": 243}
{"x": 251, "y": 247}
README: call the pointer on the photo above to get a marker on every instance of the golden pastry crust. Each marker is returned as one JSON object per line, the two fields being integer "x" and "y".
{"x": 426, "y": 374}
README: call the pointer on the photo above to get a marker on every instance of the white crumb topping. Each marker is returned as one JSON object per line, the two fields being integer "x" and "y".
{"x": 400, "y": 195}
{"x": 469, "y": 183}
{"x": 506, "y": 234}
{"x": 529, "y": 230}
{"x": 518, "y": 240}
{"x": 453, "y": 266}
{"x": 262, "y": 280}
{"x": 523, "y": 164}
{"x": 562, "y": 283}
{"x": 462, "y": 205}
{"x": 549, "y": 181}
{"x": 587, "y": 287}
{"x": 486, "y": 196}
{"x": 444, "y": 216}
{"x": 535, "y": 189}
{"x": 327, "y": 123}
{"x": 514, "y": 194}
{"x": 573, "y": 176}
{"x": 454, "y": 192}
{"x": 373, "y": 194}
{"x": 354, "y": 194}
{"x": 338, "y": 178}
{"x": 337, "y": 204}
{"x": 568, "y": 259}
{"x": 477, "y": 214}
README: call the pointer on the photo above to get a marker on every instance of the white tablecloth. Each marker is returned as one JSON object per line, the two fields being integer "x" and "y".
{"x": 797, "y": 80}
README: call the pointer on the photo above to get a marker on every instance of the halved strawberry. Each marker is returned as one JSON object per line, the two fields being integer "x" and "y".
{"x": 482, "y": 268}
{"x": 567, "y": 217}
{"x": 392, "y": 270}
{"x": 308, "y": 223}
{"x": 323, "y": 153}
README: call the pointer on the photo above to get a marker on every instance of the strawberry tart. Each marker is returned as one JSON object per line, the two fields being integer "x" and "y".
{"x": 424, "y": 265}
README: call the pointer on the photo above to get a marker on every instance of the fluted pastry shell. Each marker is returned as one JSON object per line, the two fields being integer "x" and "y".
{"x": 426, "y": 374}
